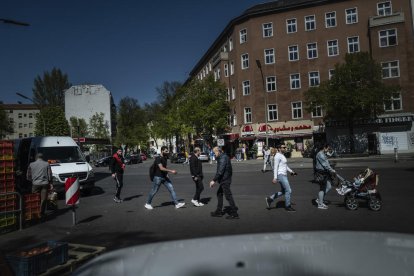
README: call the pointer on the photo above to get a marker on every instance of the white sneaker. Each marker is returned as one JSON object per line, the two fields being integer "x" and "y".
{"x": 148, "y": 206}
{"x": 195, "y": 202}
{"x": 322, "y": 206}
{"x": 179, "y": 205}
{"x": 200, "y": 203}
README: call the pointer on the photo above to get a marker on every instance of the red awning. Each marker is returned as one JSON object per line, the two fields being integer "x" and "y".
{"x": 247, "y": 128}
{"x": 246, "y": 138}
{"x": 262, "y": 128}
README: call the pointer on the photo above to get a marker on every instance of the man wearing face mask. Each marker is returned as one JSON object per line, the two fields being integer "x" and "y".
{"x": 117, "y": 169}
{"x": 161, "y": 177}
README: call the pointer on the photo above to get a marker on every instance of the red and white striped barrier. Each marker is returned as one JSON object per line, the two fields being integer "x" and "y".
{"x": 72, "y": 192}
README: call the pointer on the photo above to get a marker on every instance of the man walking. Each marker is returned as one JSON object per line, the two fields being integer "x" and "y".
{"x": 196, "y": 170}
{"x": 280, "y": 170}
{"x": 323, "y": 175}
{"x": 117, "y": 169}
{"x": 161, "y": 177}
{"x": 223, "y": 177}
{"x": 40, "y": 174}
{"x": 266, "y": 158}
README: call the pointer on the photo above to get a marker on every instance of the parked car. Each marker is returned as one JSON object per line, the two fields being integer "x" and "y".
{"x": 132, "y": 159}
{"x": 143, "y": 156}
{"x": 177, "y": 158}
{"x": 204, "y": 156}
{"x": 103, "y": 162}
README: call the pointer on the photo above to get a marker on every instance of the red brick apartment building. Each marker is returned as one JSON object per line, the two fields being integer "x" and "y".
{"x": 274, "y": 52}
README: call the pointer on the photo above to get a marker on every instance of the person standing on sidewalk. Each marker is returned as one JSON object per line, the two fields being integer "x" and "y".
{"x": 161, "y": 177}
{"x": 280, "y": 170}
{"x": 117, "y": 169}
{"x": 196, "y": 170}
{"x": 324, "y": 173}
{"x": 266, "y": 158}
{"x": 223, "y": 177}
{"x": 40, "y": 174}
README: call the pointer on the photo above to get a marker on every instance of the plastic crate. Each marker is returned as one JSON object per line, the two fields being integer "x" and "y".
{"x": 24, "y": 264}
{"x": 35, "y": 197}
{"x": 6, "y": 144}
{"x": 7, "y": 220}
{"x": 7, "y": 186}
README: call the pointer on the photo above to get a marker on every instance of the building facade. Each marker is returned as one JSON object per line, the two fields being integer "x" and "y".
{"x": 269, "y": 56}
{"x": 23, "y": 117}
{"x": 84, "y": 101}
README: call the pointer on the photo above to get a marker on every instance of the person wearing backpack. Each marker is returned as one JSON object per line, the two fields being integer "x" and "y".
{"x": 117, "y": 169}
{"x": 160, "y": 173}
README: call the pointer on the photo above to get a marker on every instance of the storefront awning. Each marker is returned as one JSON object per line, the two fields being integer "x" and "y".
{"x": 247, "y": 138}
{"x": 247, "y": 128}
{"x": 262, "y": 128}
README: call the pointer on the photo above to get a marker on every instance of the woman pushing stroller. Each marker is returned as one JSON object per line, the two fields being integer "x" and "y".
{"x": 323, "y": 172}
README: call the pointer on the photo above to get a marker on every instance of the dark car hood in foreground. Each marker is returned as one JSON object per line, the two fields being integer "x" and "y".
{"x": 296, "y": 253}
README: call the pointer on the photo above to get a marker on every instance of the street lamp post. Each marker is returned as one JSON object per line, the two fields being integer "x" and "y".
{"x": 41, "y": 115}
{"x": 259, "y": 65}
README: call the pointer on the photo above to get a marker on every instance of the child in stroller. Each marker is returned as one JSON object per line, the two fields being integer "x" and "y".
{"x": 363, "y": 187}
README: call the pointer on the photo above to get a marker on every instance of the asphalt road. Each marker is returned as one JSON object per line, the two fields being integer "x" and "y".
{"x": 102, "y": 222}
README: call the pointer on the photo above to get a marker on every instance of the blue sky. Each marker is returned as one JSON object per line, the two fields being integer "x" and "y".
{"x": 131, "y": 47}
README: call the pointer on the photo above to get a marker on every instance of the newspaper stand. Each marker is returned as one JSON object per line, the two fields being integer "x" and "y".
{"x": 72, "y": 194}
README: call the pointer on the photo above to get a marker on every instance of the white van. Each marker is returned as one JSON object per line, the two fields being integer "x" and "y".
{"x": 64, "y": 157}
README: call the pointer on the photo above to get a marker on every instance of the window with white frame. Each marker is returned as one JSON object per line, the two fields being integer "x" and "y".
{"x": 387, "y": 37}
{"x": 384, "y": 8}
{"x": 295, "y": 81}
{"x": 293, "y": 52}
{"x": 272, "y": 112}
{"x": 20, "y": 115}
{"x": 390, "y": 69}
{"x": 353, "y": 44}
{"x": 310, "y": 23}
{"x": 30, "y": 115}
{"x": 312, "y": 50}
{"x": 331, "y": 72}
{"x": 317, "y": 111}
{"x": 269, "y": 56}
{"x": 291, "y": 25}
{"x": 243, "y": 36}
{"x": 246, "y": 87}
{"x": 267, "y": 29}
{"x": 234, "y": 119}
{"x": 244, "y": 61}
{"x": 230, "y": 44}
{"x": 395, "y": 103}
{"x": 314, "y": 79}
{"x": 330, "y": 19}
{"x": 296, "y": 110}
{"x": 271, "y": 84}
{"x": 233, "y": 93}
{"x": 351, "y": 16}
{"x": 218, "y": 73}
{"x": 20, "y": 125}
{"x": 228, "y": 95}
{"x": 247, "y": 115}
{"x": 332, "y": 46}
{"x": 232, "y": 68}
{"x": 226, "y": 70}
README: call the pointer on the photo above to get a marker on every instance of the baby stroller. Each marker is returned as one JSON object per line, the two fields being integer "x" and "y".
{"x": 363, "y": 187}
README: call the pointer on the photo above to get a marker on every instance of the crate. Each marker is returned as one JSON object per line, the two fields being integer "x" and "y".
{"x": 54, "y": 253}
{"x": 7, "y": 220}
{"x": 35, "y": 197}
{"x": 5, "y": 144}
{"x": 31, "y": 206}
{"x": 7, "y": 186}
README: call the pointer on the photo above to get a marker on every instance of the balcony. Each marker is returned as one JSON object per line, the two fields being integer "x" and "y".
{"x": 375, "y": 21}
{"x": 219, "y": 57}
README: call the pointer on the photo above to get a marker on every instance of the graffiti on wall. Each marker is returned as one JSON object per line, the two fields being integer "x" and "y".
{"x": 341, "y": 143}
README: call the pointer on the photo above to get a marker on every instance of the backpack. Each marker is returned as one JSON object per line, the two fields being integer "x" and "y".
{"x": 152, "y": 170}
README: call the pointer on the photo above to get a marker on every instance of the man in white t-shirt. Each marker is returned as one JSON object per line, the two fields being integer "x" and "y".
{"x": 280, "y": 169}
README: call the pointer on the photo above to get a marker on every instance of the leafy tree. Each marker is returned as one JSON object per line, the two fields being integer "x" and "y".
{"x": 132, "y": 127}
{"x": 51, "y": 121}
{"x": 50, "y": 89}
{"x": 5, "y": 126}
{"x": 203, "y": 107}
{"x": 79, "y": 127}
{"x": 97, "y": 126}
{"x": 355, "y": 91}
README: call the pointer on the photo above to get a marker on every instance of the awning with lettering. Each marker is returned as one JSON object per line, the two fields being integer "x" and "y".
{"x": 247, "y": 128}
{"x": 262, "y": 128}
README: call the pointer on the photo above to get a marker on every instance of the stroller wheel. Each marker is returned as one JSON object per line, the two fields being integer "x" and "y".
{"x": 351, "y": 203}
{"x": 375, "y": 203}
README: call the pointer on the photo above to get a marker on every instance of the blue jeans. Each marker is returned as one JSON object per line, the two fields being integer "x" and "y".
{"x": 286, "y": 190}
{"x": 156, "y": 183}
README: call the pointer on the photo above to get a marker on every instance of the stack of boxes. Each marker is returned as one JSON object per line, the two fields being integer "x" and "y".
{"x": 8, "y": 202}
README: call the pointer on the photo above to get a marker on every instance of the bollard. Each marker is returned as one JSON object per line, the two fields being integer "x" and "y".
{"x": 395, "y": 155}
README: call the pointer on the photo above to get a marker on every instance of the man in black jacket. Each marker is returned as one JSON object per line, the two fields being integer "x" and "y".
{"x": 196, "y": 170}
{"x": 223, "y": 177}
{"x": 117, "y": 169}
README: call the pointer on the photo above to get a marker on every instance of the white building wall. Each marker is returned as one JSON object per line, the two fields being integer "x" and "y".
{"x": 84, "y": 101}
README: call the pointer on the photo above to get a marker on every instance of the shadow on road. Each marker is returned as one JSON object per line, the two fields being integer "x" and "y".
{"x": 132, "y": 197}
{"x": 92, "y": 218}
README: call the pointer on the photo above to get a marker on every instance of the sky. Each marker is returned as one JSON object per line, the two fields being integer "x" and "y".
{"x": 129, "y": 46}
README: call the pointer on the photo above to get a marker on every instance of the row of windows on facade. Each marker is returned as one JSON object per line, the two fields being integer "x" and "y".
{"x": 386, "y": 38}
{"x": 24, "y": 115}
{"x": 390, "y": 69}
{"x": 394, "y": 104}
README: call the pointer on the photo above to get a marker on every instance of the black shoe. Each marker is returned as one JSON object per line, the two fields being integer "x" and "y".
{"x": 217, "y": 213}
{"x": 268, "y": 202}
{"x": 233, "y": 216}
{"x": 290, "y": 209}
{"x": 263, "y": 171}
